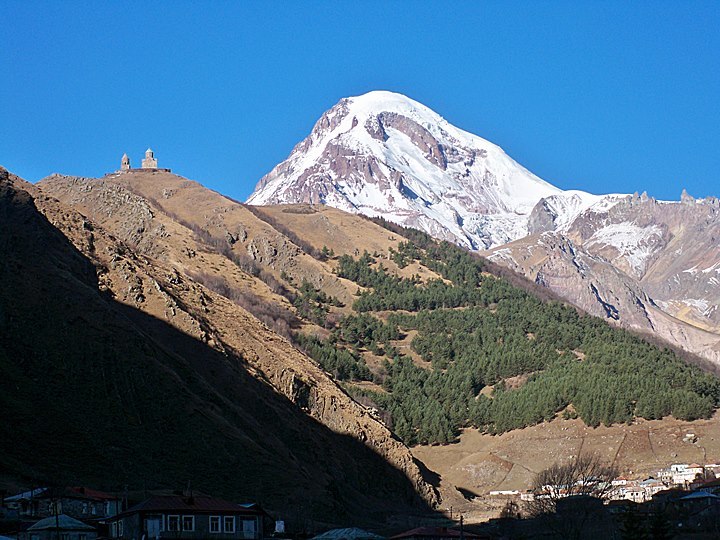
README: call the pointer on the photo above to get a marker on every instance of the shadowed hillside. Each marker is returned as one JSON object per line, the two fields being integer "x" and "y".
{"x": 98, "y": 392}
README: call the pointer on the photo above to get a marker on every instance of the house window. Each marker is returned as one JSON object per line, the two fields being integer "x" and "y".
{"x": 229, "y": 524}
{"x": 173, "y": 523}
{"x": 64, "y": 536}
{"x": 120, "y": 528}
{"x": 188, "y": 523}
{"x": 85, "y": 508}
{"x": 215, "y": 524}
{"x": 34, "y": 537}
{"x": 82, "y": 537}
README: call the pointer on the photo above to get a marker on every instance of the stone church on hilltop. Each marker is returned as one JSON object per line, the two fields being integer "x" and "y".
{"x": 149, "y": 163}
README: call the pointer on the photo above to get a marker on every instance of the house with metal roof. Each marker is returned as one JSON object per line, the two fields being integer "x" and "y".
{"x": 188, "y": 517}
{"x": 352, "y": 533}
{"x": 60, "y": 527}
{"x": 78, "y": 502}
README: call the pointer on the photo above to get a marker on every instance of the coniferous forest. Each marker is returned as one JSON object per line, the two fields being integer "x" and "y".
{"x": 495, "y": 356}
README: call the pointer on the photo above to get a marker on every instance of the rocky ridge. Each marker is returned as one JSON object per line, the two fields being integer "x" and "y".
{"x": 645, "y": 264}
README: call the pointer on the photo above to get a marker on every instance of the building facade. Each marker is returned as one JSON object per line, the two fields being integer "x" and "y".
{"x": 76, "y": 502}
{"x": 189, "y": 518}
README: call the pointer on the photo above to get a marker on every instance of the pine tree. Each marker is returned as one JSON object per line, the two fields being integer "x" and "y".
{"x": 660, "y": 527}
{"x": 632, "y": 526}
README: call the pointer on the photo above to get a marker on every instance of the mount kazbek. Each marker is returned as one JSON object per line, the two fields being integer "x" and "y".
{"x": 645, "y": 264}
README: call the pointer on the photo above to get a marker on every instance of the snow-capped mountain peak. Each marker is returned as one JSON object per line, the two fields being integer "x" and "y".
{"x": 384, "y": 154}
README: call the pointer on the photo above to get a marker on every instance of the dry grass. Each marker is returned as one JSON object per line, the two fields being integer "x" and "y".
{"x": 482, "y": 463}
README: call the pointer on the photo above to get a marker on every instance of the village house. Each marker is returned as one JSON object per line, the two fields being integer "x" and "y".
{"x": 77, "y": 502}
{"x": 651, "y": 486}
{"x": 635, "y": 494}
{"x": 698, "y": 511}
{"x": 682, "y": 474}
{"x": 638, "y": 491}
{"x": 620, "y": 481}
{"x": 25, "y": 504}
{"x": 353, "y": 533}
{"x": 60, "y": 527}
{"x": 189, "y": 517}
{"x": 711, "y": 486}
{"x": 527, "y": 495}
{"x": 504, "y": 493}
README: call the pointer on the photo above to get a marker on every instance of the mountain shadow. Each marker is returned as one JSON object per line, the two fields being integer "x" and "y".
{"x": 96, "y": 392}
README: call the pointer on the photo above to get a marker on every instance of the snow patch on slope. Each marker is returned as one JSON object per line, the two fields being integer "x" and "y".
{"x": 634, "y": 243}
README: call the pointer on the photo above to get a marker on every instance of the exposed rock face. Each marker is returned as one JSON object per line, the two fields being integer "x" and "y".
{"x": 671, "y": 249}
{"x": 130, "y": 215}
{"x": 542, "y": 218}
{"x": 648, "y": 265}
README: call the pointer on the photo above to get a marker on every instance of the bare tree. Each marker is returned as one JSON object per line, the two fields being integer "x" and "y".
{"x": 587, "y": 474}
{"x": 582, "y": 483}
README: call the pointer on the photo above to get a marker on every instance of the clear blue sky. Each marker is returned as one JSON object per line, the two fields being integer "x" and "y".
{"x": 600, "y": 96}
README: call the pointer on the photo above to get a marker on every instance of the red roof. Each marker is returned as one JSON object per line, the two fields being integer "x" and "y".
{"x": 78, "y": 492}
{"x": 435, "y": 532}
{"x": 89, "y": 493}
{"x": 197, "y": 505}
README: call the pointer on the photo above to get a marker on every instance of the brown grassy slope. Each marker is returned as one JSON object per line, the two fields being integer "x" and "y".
{"x": 190, "y": 387}
{"x": 346, "y": 234}
{"x": 174, "y": 199}
{"x": 142, "y": 222}
{"x": 479, "y": 463}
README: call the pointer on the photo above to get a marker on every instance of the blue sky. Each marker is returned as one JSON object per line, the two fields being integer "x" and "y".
{"x": 599, "y": 96}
